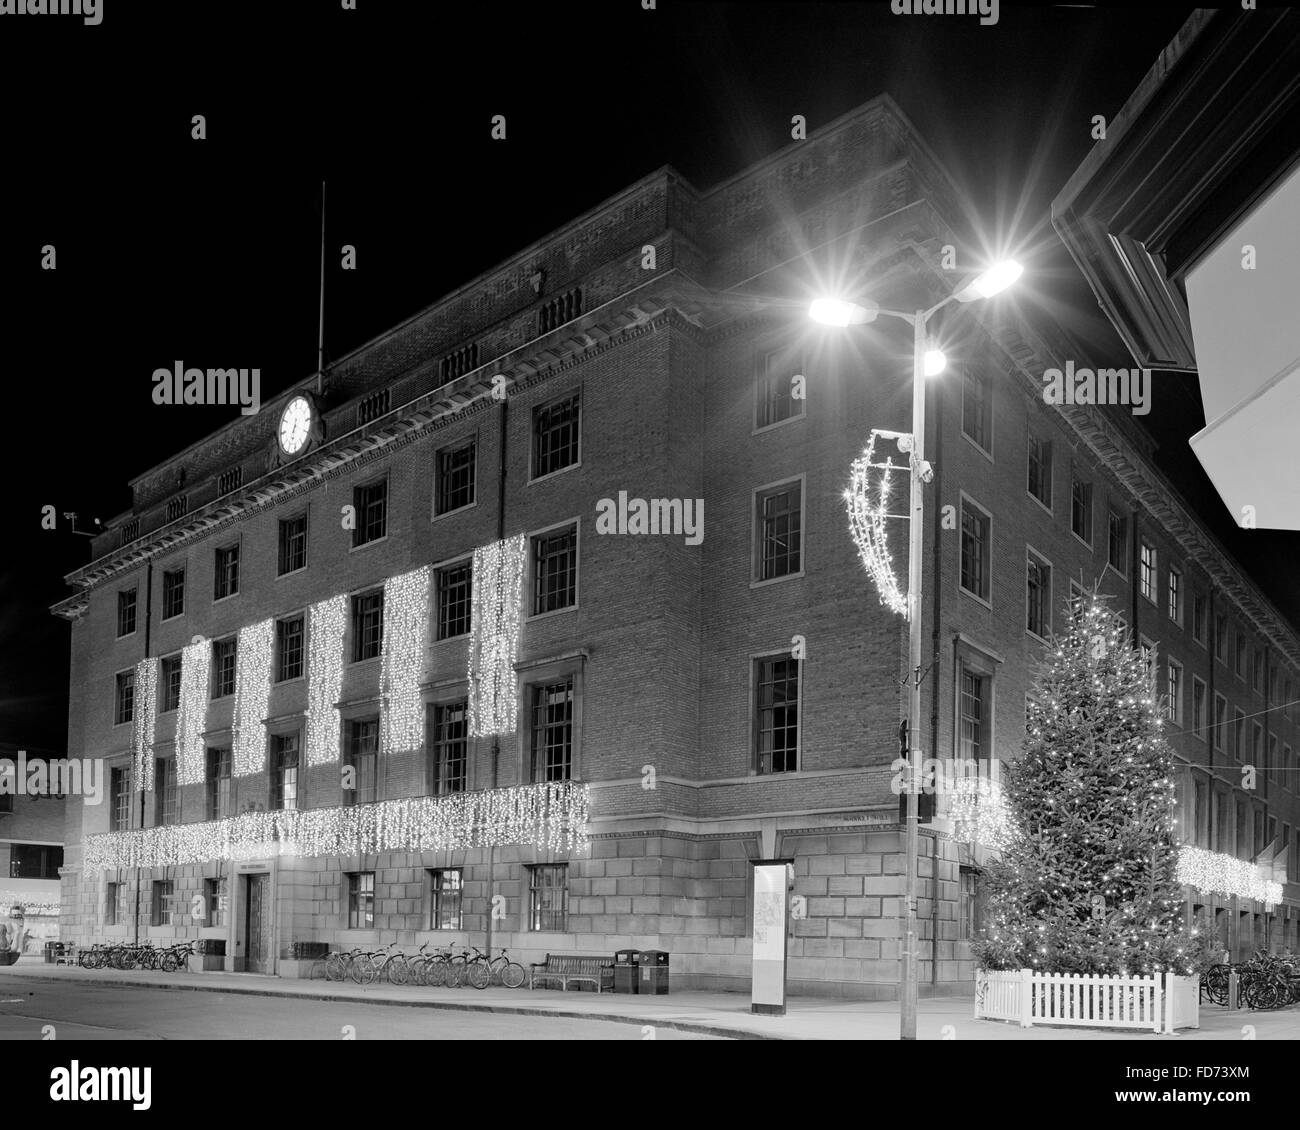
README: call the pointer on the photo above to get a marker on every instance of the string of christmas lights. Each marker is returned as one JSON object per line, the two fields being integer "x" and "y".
{"x": 192, "y": 713}
{"x": 495, "y": 608}
{"x": 979, "y": 812}
{"x": 406, "y": 617}
{"x": 252, "y": 697}
{"x": 142, "y": 730}
{"x": 31, "y": 907}
{"x": 325, "y": 679}
{"x": 551, "y": 816}
{"x": 1214, "y": 872}
{"x": 867, "y": 526}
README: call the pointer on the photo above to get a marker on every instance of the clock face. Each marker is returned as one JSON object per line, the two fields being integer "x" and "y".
{"x": 295, "y": 425}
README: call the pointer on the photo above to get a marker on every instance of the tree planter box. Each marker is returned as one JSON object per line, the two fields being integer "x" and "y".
{"x": 297, "y": 968}
{"x": 206, "y": 963}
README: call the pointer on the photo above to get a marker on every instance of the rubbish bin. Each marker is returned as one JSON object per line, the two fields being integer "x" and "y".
{"x": 625, "y": 970}
{"x": 653, "y": 969}
{"x": 52, "y": 952}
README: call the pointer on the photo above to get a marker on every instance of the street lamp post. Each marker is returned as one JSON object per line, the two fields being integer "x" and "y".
{"x": 926, "y": 362}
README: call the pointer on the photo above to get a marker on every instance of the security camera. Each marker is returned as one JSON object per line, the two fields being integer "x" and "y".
{"x": 926, "y": 471}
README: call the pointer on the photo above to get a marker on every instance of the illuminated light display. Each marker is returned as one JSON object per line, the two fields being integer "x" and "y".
{"x": 495, "y": 610}
{"x": 252, "y": 696}
{"x": 867, "y": 525}
{"x": 192, "y": 713}
{"x": 551, "y": 816}
{"x": 325, "y": 679}
{"x": 146, "y": 715}
{"x": 406, "y": 619}
{"x": 1213, "y": 872}
{"x": 979, "y": 812}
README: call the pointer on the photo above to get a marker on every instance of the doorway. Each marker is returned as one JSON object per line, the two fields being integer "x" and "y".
{"x": 257, "y": 923}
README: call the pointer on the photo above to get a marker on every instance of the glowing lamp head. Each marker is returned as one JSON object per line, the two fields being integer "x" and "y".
{"x": 934, "y": 362}
{"x": 837, "y": 312}
{"x": 993, "y": 281}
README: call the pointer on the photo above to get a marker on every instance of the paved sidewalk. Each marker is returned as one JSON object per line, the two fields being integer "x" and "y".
{"x": 715, "y": 1014}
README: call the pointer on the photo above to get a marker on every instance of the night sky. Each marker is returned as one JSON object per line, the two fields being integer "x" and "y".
{"x": 207, "y": 252}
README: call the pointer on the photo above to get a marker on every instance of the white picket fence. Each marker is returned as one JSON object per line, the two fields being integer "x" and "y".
{"x": 1156, "y": 1003}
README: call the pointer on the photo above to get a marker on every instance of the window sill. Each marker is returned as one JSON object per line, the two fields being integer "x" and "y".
{"x": 553, "y": 612}
{"x": 760, "y": 429}
{"x": 777, "y": 580}
{"x": 975, "y": 596}
{"x": 291, "y": 573}
{"x": 1042, "y": 505}
{"x": 551, "y": 474}
{"x": 367, "y": 544}
{"x": 437, "y": 517}
{"x": 975, "y": 444}
{"x": 223, "y": 599}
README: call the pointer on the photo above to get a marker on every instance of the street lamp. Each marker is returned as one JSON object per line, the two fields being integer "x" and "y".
{"x": 926, "y": 362}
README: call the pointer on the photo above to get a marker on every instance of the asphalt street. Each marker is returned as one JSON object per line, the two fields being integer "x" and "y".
{"x": 28, "y": 1011}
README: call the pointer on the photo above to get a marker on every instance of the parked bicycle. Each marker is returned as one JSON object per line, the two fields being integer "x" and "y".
{"x": 482, "y": 970}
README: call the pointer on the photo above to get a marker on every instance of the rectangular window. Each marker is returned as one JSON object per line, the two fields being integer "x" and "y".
{"x": 1040, "y": 470}
{"x": 977, "y": 409}
{"x": 173, "y": 593}
{"x": 448, "y": 747}
{"x": 968, "y": 924}
{"x": 1257, "y": 670}
{"x": 1148, "y": 650}
{"x": 1200, "y": 830}
{"x": 1221, "y": 822}
{"x": 779, "y": 522}
{"x": 1147, "y": 571}
{"x": 284, "y": 772}
{"x": 1238, "y": 749}
{"x": 1174, "y": 692}
{"x": 371, "y": 505}
{"x": 160, "y": 898}
{"x": 169, "y": 683}
{"x": 555, "y": 435}
{"x": 293, "y": 545}
{"x": 288, "y": 649}
{"x": 974, "y": 716}
{"x": 1220, "y": 720}
{"x": 552, "y": 738}
{"x": 215, "y": 891}
{"x": 776, "y": 399}
{"x": 1272, "y": 756}
{"x": 1242, "y": 840}
{"x": 1221, "y": 639}
{"x": 165, "y": 793}
{"x": 126, "y": 612}
{"x": 218, "y": 784}
{"x": 1117, "y": 544}
{"x": 975, "y": 548}
{"x": 555, "y": 570}
{"x": 1198, "y": 618}
{"x": 455, "y": 586}
{"x": 361, "y": 900}
{"x": 1257, "y": 746}
{"x": 34, "y": 861}
{"x": 1038, "y": 591}
{"x": 367, "y": 625}
{"x": 1081, "y": 510}
{"x": 124, "y": 698}
{"x": 444, "y": 898}
{"x": 223, "y": 667}
{"x": 119, "y": 797}
{"x": 363, "y": 759}
{"x": 776, "y": 725}
{"x": 114, "y": 904}
{"x": 455, "y": 471}
{"x": 226, "y": 581}
{"x": 1174, "y": 604}
{"x": 548, "y": 897}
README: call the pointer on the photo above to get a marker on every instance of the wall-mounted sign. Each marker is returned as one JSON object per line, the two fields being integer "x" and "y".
{"x": 772, "y": 883}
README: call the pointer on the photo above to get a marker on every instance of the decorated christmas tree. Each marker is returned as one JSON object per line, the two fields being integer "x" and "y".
{"x": 1086, "y": 881}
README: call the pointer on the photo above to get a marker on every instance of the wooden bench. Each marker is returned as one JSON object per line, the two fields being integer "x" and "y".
{"x": 589, "y": 969}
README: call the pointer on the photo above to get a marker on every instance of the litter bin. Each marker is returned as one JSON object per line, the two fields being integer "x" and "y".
{"x": 625, "y": 970}
{"x": 53, "y": 950}
{"x": 653, "y": 969}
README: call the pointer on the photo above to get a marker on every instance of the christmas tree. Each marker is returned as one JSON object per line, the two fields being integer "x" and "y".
{"x": 1086, "y": 882}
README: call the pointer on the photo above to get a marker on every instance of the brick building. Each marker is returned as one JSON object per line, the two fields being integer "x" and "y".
{"x": 647, "y": 348}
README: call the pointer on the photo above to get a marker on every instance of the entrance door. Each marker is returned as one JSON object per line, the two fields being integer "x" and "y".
{"x": 257, "y": 923}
